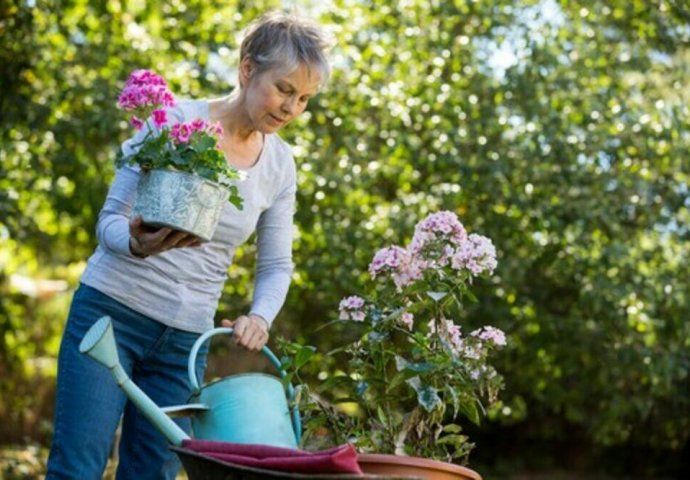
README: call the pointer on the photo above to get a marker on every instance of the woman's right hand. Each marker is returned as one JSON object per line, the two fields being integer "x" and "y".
{"x": 143, "y": 241}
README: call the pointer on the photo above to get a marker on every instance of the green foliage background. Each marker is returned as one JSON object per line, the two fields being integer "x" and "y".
{"x": 571, "y": 154}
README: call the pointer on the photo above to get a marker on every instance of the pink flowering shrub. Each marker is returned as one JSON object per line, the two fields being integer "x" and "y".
{"x": 414, "y": 372}
{"x": 190, "y": 147}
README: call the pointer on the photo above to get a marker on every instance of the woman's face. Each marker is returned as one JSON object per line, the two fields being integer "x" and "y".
{"x": 274, "y": 98}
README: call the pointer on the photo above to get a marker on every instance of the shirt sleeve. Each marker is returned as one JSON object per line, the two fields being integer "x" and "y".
{"x": 112, "y": 228}
{"x": 274, "y": 265}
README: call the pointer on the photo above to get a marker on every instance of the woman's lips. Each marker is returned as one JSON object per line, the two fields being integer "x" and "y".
{"x": 276, "y": 119}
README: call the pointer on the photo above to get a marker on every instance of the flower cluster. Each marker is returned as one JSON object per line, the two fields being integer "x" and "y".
{"x": 397, "y": 262}
{"x": 145, "y": 93}
{"x": 191, "y": 147}
{"x": 411, "y": 362}
{"x": 352, "y": 308}
{"x": 440, "y": 240}
{"x": 490, "y": 334}
{"x": 181, "y": 133}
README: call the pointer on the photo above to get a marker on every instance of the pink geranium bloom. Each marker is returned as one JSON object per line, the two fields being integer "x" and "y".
{"x": 145, "y": 77}
{"x": 145, "y": 89}
{"x": 137, "y": 123}
{"x": 181, "y": 133}
{"x": 198, "y": 124}
{"x": 160, "y": 118}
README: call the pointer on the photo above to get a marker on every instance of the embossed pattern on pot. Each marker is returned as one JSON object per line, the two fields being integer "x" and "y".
{"x": 181, "y": 201}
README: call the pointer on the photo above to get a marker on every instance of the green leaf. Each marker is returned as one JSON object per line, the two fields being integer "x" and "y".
{"x": 402, "y": 364}
{"x": 205, "y": 143}
{"x": 303, "y": 356}
{"x": 456, "y": 399}
{"x": 468, "y": 407}
{"x": 427, "y": 396}
{"x": 437, "y": 296}
{"x": 383, "y": 418}
{"x": 452, "y": 428}
{"x": 377, "y": 337}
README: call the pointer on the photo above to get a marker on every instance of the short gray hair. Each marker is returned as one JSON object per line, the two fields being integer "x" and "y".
{"x": 284, "y": 41}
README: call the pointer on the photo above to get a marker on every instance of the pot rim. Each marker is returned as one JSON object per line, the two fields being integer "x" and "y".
{"x": 180, "y": 172}
{"x": 418, "y": 462}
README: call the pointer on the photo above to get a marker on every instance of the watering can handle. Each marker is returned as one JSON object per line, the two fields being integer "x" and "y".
{"x": 191, "y": 369}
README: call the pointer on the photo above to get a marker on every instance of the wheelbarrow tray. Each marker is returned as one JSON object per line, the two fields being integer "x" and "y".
{"x": 202, "y": 467}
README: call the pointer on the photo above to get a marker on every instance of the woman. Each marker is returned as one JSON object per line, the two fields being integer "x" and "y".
{"x": 161, "y": 287}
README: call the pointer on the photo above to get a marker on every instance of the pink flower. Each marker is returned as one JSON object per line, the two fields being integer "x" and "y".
{"x": 216, "y": 129}
{"x": 352, "y": 308}
{"x": 387, "y": 259}
{"x": 440, "y": 225}
{"x": 181, "y": 133}
{"x": 449, "y": 331}
{"x": 198, "y": 124}
{"x": 160, "y": 118}
{"x": 477, "y": 254}
{"x": 352, "y": 302}
{"x": 145, "y": 89}
{"x": 137, "y": 123}
{"x": 145, "y": 77}
{"x": 407, "y": 319}
{"x": 145, "y": 96}
{"x": 436, "y": 237}
{"x": 398, "y": 263}
{"x": 490, "y": 334}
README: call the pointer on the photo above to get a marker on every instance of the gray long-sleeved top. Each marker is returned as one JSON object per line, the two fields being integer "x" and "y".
{"x": 181, "y": 287}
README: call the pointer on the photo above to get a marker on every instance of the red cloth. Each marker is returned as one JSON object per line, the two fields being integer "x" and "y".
{"x": 341, "y": 459}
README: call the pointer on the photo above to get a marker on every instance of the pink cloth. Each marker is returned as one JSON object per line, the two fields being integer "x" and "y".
{"x": 341, "y": 459}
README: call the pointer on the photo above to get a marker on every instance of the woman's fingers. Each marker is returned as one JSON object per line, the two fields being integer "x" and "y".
{"x": 173, "y": 239}
{"x": 257, "y": 340}
{"x": 151, "y": 242}
{"x": 249, "y": 332}
{"x": 189, "y": 241}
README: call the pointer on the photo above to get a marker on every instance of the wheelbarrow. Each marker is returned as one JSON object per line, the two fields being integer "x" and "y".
{"x": 209, "y": 409}
{"x": 202, "y": 467}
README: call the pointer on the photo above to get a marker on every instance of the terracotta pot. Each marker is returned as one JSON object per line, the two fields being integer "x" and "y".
{"x": 414, "y": 466}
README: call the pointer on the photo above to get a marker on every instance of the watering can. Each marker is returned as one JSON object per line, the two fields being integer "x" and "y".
{"x": 245, "y": 408}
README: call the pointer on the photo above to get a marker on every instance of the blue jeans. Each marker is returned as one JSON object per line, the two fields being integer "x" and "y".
{"x": 89, "y": 403}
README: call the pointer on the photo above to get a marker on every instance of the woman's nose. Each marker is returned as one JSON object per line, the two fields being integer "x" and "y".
{"x": 288, "y": 106}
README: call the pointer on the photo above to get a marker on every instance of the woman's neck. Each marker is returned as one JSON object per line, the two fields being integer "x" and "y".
{"x": 232, "y": 115}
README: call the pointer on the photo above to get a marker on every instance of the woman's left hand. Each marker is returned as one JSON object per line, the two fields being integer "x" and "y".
{"x": 251, "y": 331}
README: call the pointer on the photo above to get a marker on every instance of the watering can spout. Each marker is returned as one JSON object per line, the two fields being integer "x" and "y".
{"x": 99, "y": 344}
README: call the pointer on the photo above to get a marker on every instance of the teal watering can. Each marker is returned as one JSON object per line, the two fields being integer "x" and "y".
{"x": 246, "y": 408}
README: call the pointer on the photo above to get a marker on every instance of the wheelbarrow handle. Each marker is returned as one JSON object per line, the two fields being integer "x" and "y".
{"x": 191, "y": 369}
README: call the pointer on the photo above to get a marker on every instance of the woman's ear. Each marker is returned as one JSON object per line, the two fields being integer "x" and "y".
{"x": 246, "y": 71}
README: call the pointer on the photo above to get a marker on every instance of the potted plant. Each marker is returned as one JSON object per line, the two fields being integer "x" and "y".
{"x": 411, "y": 371}
{"x": 185, "y": 179}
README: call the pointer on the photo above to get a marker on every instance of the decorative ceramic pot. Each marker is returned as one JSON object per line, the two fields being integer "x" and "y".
{"x": 374, "y": 463}
{"x": 181, "y": 201}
